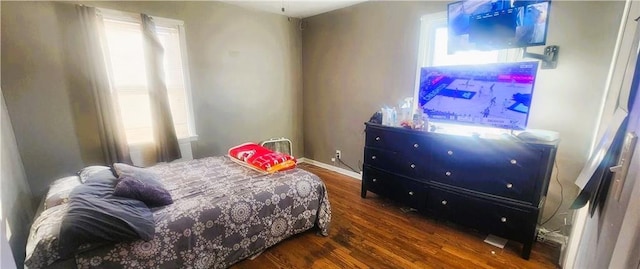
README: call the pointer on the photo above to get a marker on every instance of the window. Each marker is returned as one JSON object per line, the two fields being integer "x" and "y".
{"x": 433, "y": 48}
{"x": 440, "y": 56}
{"x": 126, "y": 67}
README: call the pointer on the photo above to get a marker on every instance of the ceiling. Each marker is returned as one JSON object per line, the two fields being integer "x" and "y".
{"x": 295, "y": 8}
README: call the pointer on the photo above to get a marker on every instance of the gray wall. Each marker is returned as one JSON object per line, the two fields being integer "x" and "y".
{"x": 36, "y": 91}
{"x": 358, "y": 59}
{"x": 245, "y": 75}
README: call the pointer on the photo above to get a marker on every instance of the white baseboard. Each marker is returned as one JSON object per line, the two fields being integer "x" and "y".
{"x": 332, "y": 168}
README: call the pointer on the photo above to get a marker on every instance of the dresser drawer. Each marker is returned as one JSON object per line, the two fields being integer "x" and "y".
{"x": 485, "y": 153}
{"x": 398, "y": 140}
{"x": 515, "y": 223}
{"x": 519, "y": 187}
{"x": 504, "y": 169}
{"x": 413, "y": 166}
{"x": 398, "y": 188}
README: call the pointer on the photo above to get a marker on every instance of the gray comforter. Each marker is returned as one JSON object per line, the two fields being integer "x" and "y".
{"x": 222, "y": 213}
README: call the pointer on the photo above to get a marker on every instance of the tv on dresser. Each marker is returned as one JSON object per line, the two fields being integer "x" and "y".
{"x": 494, "y": 185}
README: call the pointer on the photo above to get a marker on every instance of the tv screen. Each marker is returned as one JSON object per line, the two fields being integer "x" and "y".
{"x": 497, "y": 24}
{"x": 491, "y": 95}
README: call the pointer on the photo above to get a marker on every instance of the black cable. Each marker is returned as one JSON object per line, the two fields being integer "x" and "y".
{"x": 555, "y": 163}
{"x": 354, "y": 170}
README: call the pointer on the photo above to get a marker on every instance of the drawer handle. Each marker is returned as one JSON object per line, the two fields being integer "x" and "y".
{"x": 444, "y": 202}
{"x": 413, "y": 166}
{"x": 374, "y": 180}
{"x": 503, "y": 219}
{"x": 416, "y": 145}
{"x": 450, "y": 152}
{"x": 410, "y": 193}
{"x": 373, "y": 157}
{"x": 377, "y": 138}
{"x": 448, "y": 173}
{"x": 513, "y": 161}
{"x": 509, "y": 185}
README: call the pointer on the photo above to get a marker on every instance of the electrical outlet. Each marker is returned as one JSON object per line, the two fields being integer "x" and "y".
{"x": 338, "y": 154}
{"x": 545, "y": 235}
{"x": 540, "y": 237}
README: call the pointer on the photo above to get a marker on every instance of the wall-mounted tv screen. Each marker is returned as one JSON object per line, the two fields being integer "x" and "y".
{"x": 497, "y": 24}
{"x": 491, "y": 95}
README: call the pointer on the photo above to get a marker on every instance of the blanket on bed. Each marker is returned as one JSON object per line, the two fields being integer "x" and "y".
{"x": 222, "y": 213}
{"x": 261, "y": 158}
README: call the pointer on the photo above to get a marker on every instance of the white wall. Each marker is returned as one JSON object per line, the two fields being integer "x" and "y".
{"x": 6, "y": 257}
{"x": 15, "y": 195}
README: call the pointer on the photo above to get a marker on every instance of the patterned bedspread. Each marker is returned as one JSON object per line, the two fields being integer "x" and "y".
{"x": 222, "y": 213}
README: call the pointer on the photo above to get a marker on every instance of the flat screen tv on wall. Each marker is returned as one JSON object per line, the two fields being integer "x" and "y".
{"x": 491, "y": 95}
{"x": 496, "y": 24}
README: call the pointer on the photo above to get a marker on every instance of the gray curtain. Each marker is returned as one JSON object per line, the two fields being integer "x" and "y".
{"x": 166, "y": 142}
{"x": 111, "y": 130}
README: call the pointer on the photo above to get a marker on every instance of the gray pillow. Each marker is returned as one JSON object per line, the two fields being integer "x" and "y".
{"x": 89, "y": 171}
{"x": 141, "y": 184}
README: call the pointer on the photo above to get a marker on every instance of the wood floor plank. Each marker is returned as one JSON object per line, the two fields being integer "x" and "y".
{"x": 376, "y": 233}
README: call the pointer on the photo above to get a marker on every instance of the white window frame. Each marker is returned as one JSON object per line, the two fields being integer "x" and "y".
{"x": 165, "y": 22}
{"x": 185, "y": 70}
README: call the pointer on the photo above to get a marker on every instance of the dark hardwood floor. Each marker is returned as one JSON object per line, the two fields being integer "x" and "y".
{"x": 377, "y": 233}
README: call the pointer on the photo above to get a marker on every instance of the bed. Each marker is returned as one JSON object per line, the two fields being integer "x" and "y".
{"x": 222, "y": 213}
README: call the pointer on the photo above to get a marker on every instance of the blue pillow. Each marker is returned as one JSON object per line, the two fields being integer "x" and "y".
{"x": 96, "y": 216}
{"x": 141, "y": 184}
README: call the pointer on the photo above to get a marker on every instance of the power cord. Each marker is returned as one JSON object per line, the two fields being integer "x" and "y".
{"x": 342, "y": 162}
{"x": 555, "y": 163}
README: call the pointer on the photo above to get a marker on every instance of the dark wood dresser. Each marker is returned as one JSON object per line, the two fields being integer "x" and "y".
{"x": 497, "y": 186}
